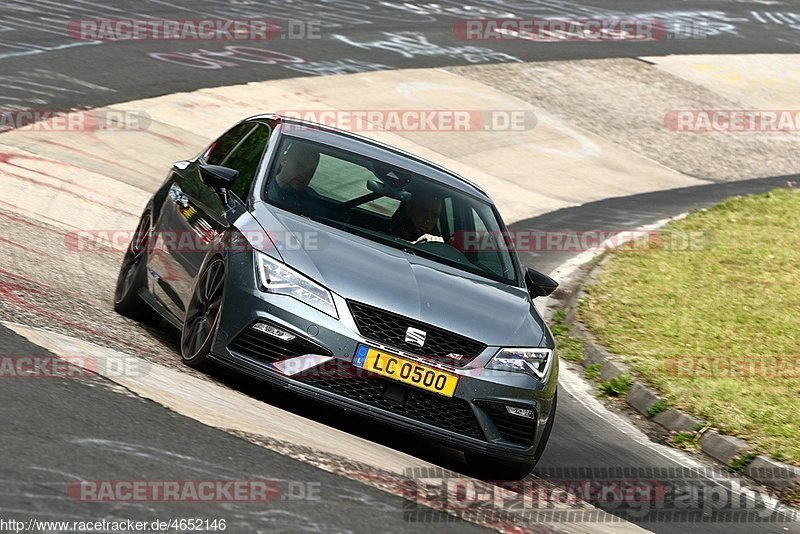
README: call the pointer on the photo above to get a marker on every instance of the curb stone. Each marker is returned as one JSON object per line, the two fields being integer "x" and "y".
{"x": 592, "y": 351}
{"x": 772, "y": 473}
{"x": 612, "y": 369}
{"x": 723, "y": 448}
{"x": 676, "y": 420}
{"x": 641, "y": 398}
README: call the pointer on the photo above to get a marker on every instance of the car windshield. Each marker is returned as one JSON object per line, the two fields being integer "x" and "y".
{"x": 390, "y": 205}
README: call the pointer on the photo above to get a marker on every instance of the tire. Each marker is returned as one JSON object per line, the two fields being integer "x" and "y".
{"x": 203, "y": 314}
{"x": 494, "y": 468}
{"x": 133, "y": 277}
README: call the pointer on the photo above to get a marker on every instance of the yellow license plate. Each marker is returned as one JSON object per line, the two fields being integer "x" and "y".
{"x": 406, "y": 371}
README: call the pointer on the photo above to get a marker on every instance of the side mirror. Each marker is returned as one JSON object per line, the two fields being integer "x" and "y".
{"x": 218, "y": 177}
{"x": 539, "y": 285}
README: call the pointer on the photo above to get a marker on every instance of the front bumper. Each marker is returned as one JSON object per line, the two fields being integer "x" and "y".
{"x": 319, "y": 366}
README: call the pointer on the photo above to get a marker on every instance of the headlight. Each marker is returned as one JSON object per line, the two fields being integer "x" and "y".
{"x": 535, "y": 362}
{"x": 276, "y": 277}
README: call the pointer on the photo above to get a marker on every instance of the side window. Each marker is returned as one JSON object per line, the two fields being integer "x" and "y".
{"x": 246, "y": 158}
{"x": 220, "y": 149}
{"x": 489, "y": 246}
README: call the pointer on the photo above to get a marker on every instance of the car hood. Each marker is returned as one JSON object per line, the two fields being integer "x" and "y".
{"x": 358, "y": 269}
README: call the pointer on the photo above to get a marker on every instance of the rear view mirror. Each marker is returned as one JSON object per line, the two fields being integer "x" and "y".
{"x": 385, "y": 190}
{"x": 539, "y": 285}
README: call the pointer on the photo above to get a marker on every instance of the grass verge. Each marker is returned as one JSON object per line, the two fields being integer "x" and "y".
{"x": 716, "y": 326}
{"x": 569, "y": 347}
{"x": 615, "y": 387}
{"x": 592, "y": 372}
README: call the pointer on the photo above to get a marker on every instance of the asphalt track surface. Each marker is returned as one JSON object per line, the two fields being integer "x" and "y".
{"x": 57, "y": 431}
{"x": 54, "y": 431}
{"x": 44, "y": 68}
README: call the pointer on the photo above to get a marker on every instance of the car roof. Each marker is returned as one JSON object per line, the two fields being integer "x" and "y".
{"x": 357, "y": 144}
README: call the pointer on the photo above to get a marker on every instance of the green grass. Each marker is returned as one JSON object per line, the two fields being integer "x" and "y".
{"x": 570, "y": 348}
{"x": 793, "y": 496}
{"x": 592, "y": 372}
{"x": 741, "y": 461}
{"x": 694, "y": 318}
{"x": 688, "y": 441}
{"x": 557, "y": 324}
{"x": 615, "y": 387}
{"x": 657, "y": 408}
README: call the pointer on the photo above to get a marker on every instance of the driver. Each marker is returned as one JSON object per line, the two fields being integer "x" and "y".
{"x": 289, "y": 187}
{"x": 415, "y": 219}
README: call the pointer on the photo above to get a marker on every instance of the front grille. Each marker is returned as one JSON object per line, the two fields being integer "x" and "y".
{"x": 271, "y": 349}
{"x": 512, "y": 427}
{"x": 390, "y": 328}
{"x": 453, "y": 414}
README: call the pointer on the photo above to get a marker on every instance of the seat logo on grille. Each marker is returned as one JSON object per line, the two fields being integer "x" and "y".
{"x": 415, "y": 336}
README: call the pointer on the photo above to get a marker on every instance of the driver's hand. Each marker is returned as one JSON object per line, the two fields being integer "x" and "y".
{"x": 428, "y": 238}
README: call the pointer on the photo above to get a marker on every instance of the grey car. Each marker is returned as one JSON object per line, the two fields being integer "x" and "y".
{"x": 356, "y": 274}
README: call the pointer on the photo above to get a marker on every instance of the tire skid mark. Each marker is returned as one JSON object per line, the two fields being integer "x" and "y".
{"x": 14, "y": 293}
{"x": 18, "y": 245}
{"x": 32, "y": 223}
{"x": 69, "y": 192}
{"x": 32, "y": 282}
{"x": 73, "y": 148}
{"x": 101, "y": 141}
{"x": 8, "y": 158}
{"x": 165, "y": 137}
{"x": 28, "y": 222}
{"x": 70, "y": 239}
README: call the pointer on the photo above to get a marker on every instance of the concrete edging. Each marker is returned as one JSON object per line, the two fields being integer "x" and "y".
{"x": 724, "y": 449}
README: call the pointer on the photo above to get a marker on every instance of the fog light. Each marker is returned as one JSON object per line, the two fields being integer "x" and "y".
{"x": 521, "y": 412}
{"x": 274, "y": 332}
